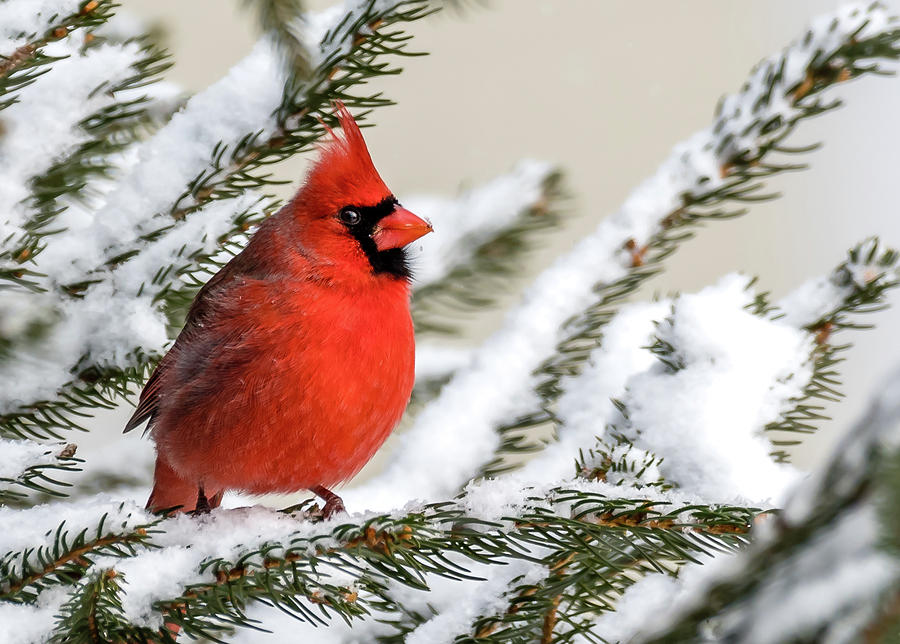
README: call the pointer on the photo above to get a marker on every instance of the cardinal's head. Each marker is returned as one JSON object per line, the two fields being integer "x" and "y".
{"x": 346, "y": 212}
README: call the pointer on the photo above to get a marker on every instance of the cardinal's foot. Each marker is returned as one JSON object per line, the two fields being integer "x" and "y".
{"x": 333, "y": 503}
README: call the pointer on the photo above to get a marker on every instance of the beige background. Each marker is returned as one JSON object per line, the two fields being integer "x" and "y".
{"x": 605, "y": 89}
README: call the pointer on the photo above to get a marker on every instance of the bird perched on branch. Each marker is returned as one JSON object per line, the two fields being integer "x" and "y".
{"x": 297, "y": 358}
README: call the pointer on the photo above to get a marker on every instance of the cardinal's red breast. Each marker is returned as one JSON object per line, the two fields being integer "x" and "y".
{"x": 311, "y": 385}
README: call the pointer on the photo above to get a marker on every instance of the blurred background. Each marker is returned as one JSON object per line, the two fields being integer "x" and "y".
{"x": 604, "y": 90}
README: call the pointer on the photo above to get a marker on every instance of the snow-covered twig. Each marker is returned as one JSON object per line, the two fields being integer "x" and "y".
{"x": 24, "y": 21}
{"x": 723, "y": 375}
{"x": 481, "y": 234}
{"x": 255, "y": 552}
{"x": 47, "y": 124}
{"x": 474, "y": 217}
{"x": 781, "y": 588}
{"x": 130, "y": 291}
{"x": 28, "y": 465}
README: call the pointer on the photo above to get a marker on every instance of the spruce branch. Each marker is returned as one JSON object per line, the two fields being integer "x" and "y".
{"x": 631, "y": 448}
{"x": 719, "y": 172}
{"x": 349, "y": 55}
{"x": 347, "y": 570}
{"x": 411, "y": 548}
{"x": 38, "y": 467}
{"x": 24, "y": 574}
{"x": 109, "y": 131}
{"x": 282, "y": 19}
{"x": 743, "y": 164}
{"x": 824, "y": 307}
{"x": 19, "y": 67}
{"x": 93, "y": 613}
{"x": 833, "y": 517}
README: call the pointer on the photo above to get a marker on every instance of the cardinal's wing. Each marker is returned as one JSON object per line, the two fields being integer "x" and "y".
{"x": 152, "y": 394}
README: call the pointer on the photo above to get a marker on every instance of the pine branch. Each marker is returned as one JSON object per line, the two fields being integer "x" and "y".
{"x": 316, "y": 572}
{"x": 725, "y": 168}
{"x": 632, "y": 448}
{"x": 827, "y": 306}
{"x": 93, "y": 613}
{"x": 25, "y": 574}
{"x": 21, "y": 66}
{"x": 832, "y": 517}
{"x": 281, "y": 18}
{"x": 349, "y": 55}
{"x": 115, "y": 126}
{"x": 32, "y": 467}
{"x": 410, "y": 548}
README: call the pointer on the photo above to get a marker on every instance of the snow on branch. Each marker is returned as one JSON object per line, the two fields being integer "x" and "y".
{"x": 210, "y": 148}
{"x": 856, "y": 286}
{"x": 43, "y": 547}
{"x": 727, "y": 367}
{"x": 718, "y": 171}
{"x": 723, "y": 374}
{"x": 718, "y": 166}
{"x": 481, "y": 232}
{"x": 775, "y": 590}
{"x": 213, "y": 120}
{"x": 587, "y": 405}
{"x": 22, "y": 22}
{"x": 317, "y": 570}
{"x": 131, "y": 291}
{"x": 825, "y": 306}
{"x": 47, "y": 123}
{"x": 27, "y": 465}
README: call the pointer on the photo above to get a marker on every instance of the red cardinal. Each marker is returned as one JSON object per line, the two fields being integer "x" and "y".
{"x": 296, "y": 360}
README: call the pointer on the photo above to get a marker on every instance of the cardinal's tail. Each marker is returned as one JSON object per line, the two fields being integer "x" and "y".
{"x": 171, "y": 492}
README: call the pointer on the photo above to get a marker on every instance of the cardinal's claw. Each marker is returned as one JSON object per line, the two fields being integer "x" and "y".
{"x": 333, "y": 503}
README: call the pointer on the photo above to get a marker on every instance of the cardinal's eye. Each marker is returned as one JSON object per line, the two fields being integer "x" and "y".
{"x": 350, "y": 216}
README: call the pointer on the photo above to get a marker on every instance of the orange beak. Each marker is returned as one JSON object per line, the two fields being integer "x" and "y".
{"x": 398, "y": 229}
